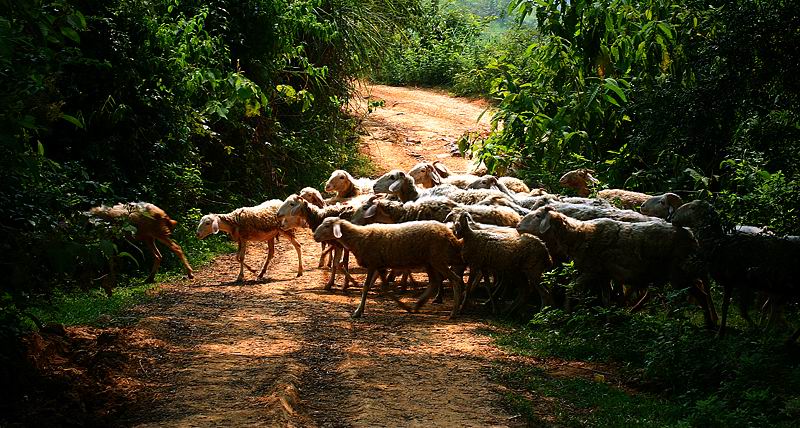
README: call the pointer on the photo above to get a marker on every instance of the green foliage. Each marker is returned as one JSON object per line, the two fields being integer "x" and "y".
{"x": 747, "y": 379}
{"x": 194, "y": 106}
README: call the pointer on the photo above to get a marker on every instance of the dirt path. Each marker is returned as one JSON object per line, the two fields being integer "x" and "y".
{"x": 287, "y": 353}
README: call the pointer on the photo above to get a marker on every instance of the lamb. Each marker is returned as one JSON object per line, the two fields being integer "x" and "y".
{"x": 259, "y": 223}
{"x": 427, "y": 244}
{"x": 662, "y": 206}
{"x": 739, "y": 260}
{"x": 486, "y": 250}
{"x": 296, "y": 210}
{"x": 624, "y": 198}
{"x": 152, "y": 224}
{"x": 580, "y": 180}
{"x": 379, "y": 210}
{"x": 345, "y": 186}
{"x": 635, "y": 254}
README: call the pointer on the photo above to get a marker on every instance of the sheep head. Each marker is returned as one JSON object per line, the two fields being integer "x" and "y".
{"x": 485, "y": 182}
{"x": 461, "y": 222}
{"x": 695, "y": 214}
{"x": 339, "y": 181}
{"x": 208, "y": 224}
{"x": 312, "y": 195}
{"x": 579, "y": 179}
{"x": 330, "y": 229}
{"x": 392, "y": 182}
{"x": 441, "y": 169}
{"x": 425, "y": 173}
{"x": 537, "y": 222}
{"x": 289, "y": 211}
{"x": 662, "y": 206}
{"x": 366, "y": 211}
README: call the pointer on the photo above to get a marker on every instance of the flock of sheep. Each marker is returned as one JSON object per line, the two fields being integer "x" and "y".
{"x": 506, "y": 236}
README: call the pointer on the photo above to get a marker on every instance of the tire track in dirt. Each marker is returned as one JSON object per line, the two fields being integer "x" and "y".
{"x": 287, "y": 353}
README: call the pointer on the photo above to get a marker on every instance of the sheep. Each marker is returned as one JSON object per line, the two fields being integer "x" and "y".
{"x": 296, "y": 210}
{"x": 427, "y": 244}
{"x": 258, "y": 223}
{"x": 313, "y": 196}
{"x": 400, "y": 184}
{"x": 152, "y": 224}
{"x": 508, "y": 185}
{"x": 739, "y": 260}
{"x": 488, "y": 250}
{"x": 379, "y": 210}
{"x": 591, "y": 212}
{"x": 624, "y": 198}
{"x": 580, "y": 180}
{"x": 662, "y": 206}
{"x": 345, "y": 186}
{"x": 635, "y": 254}
{"x": 426, "y": 174}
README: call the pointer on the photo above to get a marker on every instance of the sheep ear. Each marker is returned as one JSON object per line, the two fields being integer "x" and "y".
{"x": 435, "y": 177}
{"x": 440, "y": 167}
{"x": 215, "y": 226}
{"x": 670, "y": 212}
{"x": 395, "y": 186}
{"x": 371, "y": 211}
{"x": 337, "y": 231}
{"x": 544, "y": 226}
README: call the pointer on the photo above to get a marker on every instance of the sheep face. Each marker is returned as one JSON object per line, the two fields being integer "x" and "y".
{"x": 208, "y": 224}
{"x": 289, "y": 212}
{"x": 366, "y": 212}
{"x": 662, "y": 206}
{"x": 329, "y": 230}
{"x": 425, "y": 174}
{"x": 338, "y": 182}
{"x": 313, "y": 196}
{"x": 485, "y": 182}
{"x": 391, "y": 182}
{"x": 537, "y": 222}
{"x": 579, "y": 179}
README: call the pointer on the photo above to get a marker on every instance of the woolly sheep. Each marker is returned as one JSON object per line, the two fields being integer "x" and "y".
{"x": 508, "y": 185}
{"x": 624, "y": 198}
{"x": 345, "y": 186}
{"x": 662, "y": 206}
{"x": 426, "y": 244}
{"x": 152, "y": 224}
{"x": 635, "y": 254}
{"x": 295, "y": 210}
{"x": 380, "y": 210}
{"x": 400, "y": 184}
{"x": 425, "y": 174}
{"x": 258, "y": 223}
{"x": 742, "y": 260}
{"x": 489, "y": 251}
{"x": 580, "y": 180}
{"x": 313, "y": 196}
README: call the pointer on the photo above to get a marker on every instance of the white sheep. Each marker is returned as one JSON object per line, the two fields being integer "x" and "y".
{"x": 295, "y": 211}
{"x": 626, "y": 199}
{"x": 634, "y": 254}
{"x": 418, "y": 244}
{"x": 381, "y": 210}
{"x": 345, "y": 186}
{"x": 152, "y": 224}
{"x": 259, "y": 223}
{"x": 662, "y": 206}
{"x": 403, "y": 186}
{"x": 487, "y": 250}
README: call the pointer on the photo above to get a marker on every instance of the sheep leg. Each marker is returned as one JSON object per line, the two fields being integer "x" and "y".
{"x": 240, "y": 257}
{"x": 337, "y": 253}
{"x": 299, "y": 254}
{"x": 346, "y": 263}
{"x": 726, "y": 300}
{"x": 458, "y": 285}
{"x": 487, "y": 285}
{"x": 322, "y": 256}
{"x": 175, "y": 248}
{"x": 638, "y": 306}
{"x": 434, "y": 282}
{"x": 709, "y": 313}
{"x": 151, "y": 244}
{"x": 475, "y": 277}
{"x": 390, "y": 289}
{"x": 270, "y": 256}
{"x": 367, "y": 282}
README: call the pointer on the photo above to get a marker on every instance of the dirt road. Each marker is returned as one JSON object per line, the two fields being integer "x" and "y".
{"x": 287, "y": 353}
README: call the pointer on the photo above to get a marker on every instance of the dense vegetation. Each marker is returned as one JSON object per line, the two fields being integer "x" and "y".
{"x": 694, "y": 97}
{"x": 191, "y": 105}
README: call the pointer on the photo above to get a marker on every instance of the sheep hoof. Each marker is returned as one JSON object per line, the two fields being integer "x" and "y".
{"x": 190, "y": 275}
{"x": 299, "y": 274}
{"x": 357, "y": 313}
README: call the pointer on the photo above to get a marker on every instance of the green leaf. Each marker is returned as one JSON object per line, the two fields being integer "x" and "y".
{"x": 40, "y": 148}
{"x": 70, "y": 34}
{"x": 73, "y": 120}
{"x": 612, "y": 85}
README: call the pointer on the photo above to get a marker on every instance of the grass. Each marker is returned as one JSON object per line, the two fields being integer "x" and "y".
{"x": 683, "y": 374}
